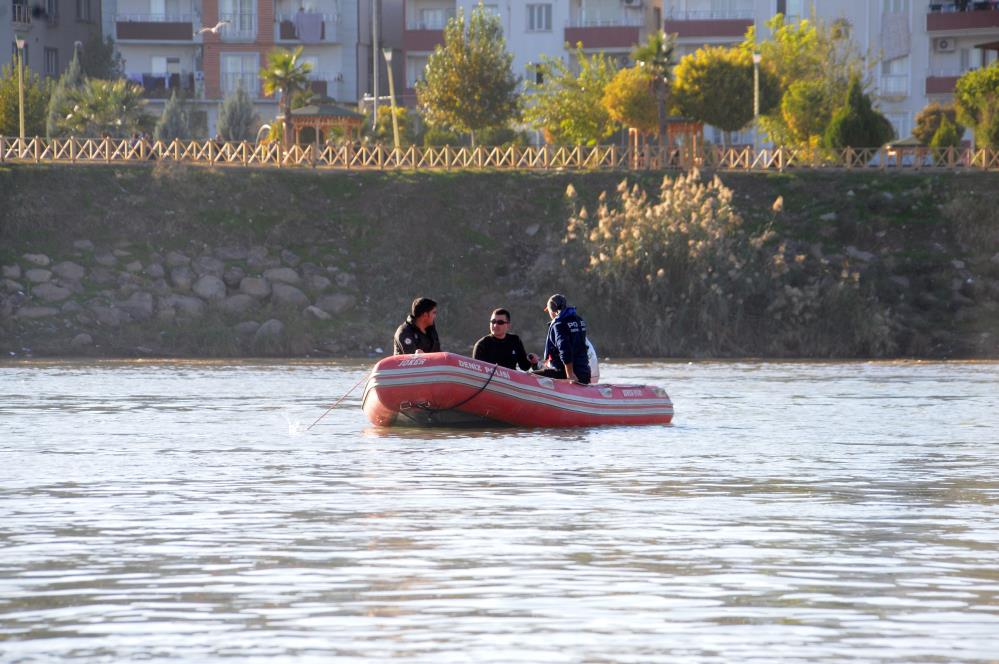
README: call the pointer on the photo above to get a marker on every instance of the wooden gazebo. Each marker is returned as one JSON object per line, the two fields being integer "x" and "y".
{"x": 323, "y": 116}
{"x": 684, "y": 138}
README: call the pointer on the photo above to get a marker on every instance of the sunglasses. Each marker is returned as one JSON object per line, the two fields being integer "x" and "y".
{"x": 495, "y": 321}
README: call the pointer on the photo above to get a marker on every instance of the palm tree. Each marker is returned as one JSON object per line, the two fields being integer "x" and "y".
{"x": 105, "y": 108}
{"x": 286, "y": 74}
{"x": 656, "y": 57}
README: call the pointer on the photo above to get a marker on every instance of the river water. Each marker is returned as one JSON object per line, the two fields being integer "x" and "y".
{"x": 794, "y": 512}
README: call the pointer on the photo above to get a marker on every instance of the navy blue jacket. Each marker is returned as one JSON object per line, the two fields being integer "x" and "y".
{"x": 566, "y": 344}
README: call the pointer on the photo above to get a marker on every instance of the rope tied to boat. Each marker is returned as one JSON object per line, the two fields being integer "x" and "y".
{"x": 431, "y": 411}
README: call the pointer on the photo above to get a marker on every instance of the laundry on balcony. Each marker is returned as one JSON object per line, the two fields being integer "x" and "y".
{"x": 309, "y": 27}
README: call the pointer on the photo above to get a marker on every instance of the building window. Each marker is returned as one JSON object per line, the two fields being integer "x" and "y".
{"x": 895, "y": 7}
{"x": 52, "y": 11}
{"x": 83, "y": 11}
{"x": 51, "y": 62}
{"x": 240, "y": 69}
{"x": 539, "y": 18}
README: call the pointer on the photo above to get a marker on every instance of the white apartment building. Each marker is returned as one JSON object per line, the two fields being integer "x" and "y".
{"x": 921, "y": 47}
{"x": 532, "y": 29}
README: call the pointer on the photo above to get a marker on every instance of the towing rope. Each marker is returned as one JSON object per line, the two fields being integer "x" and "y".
{"x": 431, "y": 412}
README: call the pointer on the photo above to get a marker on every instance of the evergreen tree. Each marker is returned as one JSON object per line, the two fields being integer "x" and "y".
{"x": 101, "y": 60}
{"x": 469, "y": 82}
{"x": 929, "y": 119}
{"x": 976, "y": 98}
{"x": 237, "y": 119}
{"x": 59, "y": 103}
{"x": 173, "y": 122}
{"x": 856, "y": 124}
{"x": 946, "y": 135}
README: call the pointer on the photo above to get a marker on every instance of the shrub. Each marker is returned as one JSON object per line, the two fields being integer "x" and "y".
{"x": 928, "y": 121}
{"x": 173, "y": 122}
{"x": 700, "y": 282}
{"x": 856, "y": 124}
{"x": 237, "y": 119}
{"x": 946, "y": 135}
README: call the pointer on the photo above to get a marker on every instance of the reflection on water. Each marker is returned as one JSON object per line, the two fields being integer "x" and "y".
{"x": 794, "y": 512}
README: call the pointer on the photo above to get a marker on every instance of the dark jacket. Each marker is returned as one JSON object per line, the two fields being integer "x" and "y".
{"x": 507, "y": 352}
{"x": 566, "y": 344}
{"x": 408, "y": 339}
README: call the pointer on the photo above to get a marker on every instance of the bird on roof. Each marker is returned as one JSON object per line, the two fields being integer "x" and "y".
{"x": 214, "y": 30}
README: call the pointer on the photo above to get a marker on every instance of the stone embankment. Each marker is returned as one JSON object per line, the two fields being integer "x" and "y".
{"x": 83, "y": 299}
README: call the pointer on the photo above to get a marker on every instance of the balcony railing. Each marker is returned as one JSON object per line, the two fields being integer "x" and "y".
{"x": 242, "y": 27}
{"x": 161, "y": 86}
{"x": 607, "y": 20}
{"x": 940, "y": 7}
{"x": 436, "y": 23}
{"x": 230, "y": 81}
{"x": 895, "y": 85}
{"x": 707, "y": 15}
{"x": 155, "y": 18}
{"x": 155, "y": 27}
{"x": 21, "y": 14}
{"x": 292, "y": 27}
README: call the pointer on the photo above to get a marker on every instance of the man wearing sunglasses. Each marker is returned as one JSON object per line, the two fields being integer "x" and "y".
{"x": 500, "y": 347}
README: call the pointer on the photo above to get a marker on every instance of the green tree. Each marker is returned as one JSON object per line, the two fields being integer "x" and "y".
{"x": 655, "y": 56}
{"x": 806, "y": 110}
{"x": 628, "y": 101}
{"x": 565, "y": 105}
{"x": 59, "y": 103}
{"x": 976, "y": 98}
{"x": 238, "y": 120}
{"x": 929, "y": 119}
{"x": 173, "y": 122}
{"x": 101, "y": 60}
{"x": 856, "y": 123}
{"x": 715, "y": 85}
{"x": 284, "y": 73}
{"x": 383, "y": 126}
{"x": 946, "y": 135}
{"x": 809, "y": 50}
{"x": 469, "y": 83}
{"x": 112, "y": 108}
{"x": 36, "y": 100}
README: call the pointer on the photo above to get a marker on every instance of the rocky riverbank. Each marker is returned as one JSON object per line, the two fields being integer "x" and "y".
{"x": 171, "y": 261}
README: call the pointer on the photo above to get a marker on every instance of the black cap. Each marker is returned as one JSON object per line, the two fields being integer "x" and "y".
{"x": 556, "y": 302}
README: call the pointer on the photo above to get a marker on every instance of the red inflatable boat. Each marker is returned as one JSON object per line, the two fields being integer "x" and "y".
{"x": 444, "y": 389}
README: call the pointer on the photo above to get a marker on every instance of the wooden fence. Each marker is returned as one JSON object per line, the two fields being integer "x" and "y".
{"x": 378, "y": 157}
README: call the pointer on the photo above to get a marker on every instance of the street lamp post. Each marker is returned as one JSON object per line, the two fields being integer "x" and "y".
{"x": 756, "y": 101}
{"x": 19, "y": 41}
{"x": 391, "y": 82}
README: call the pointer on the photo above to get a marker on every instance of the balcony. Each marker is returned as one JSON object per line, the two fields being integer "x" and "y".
{"x": 229, "y": 81}
{"x": 21, "y": 15}
{"x": 894, "y": 86}
{"x": 307, "y": 28}
{"x": 708, "y": 24}
{"x": 326, "y": 84}
{"x": 425, "y": 30}
{"x": 944, "y": 17}
{"x": 155, "y": 27}
{"x": 614, "y": 30}
{"x": 161, "y": 86}
{"x": 241, "y": 27}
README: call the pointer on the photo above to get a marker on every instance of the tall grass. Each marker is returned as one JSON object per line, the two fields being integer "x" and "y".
{"x": 678, "y": 274}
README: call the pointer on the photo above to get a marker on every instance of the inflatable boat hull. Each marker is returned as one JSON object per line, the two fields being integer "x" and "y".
{"x": 444, "y": 389}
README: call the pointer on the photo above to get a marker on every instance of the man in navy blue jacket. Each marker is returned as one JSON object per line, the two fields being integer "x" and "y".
{"x": 565, "y": 348}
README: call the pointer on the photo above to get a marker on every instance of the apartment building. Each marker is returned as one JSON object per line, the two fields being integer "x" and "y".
{"x": 533, "y": 29}
{"x": 207, "y": 48}
{"x": 49, "y": 29}
{"x": 921, "y": 47}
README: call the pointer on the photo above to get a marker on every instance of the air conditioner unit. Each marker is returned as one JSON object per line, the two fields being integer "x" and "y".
{"x": 944, "y": 44}
{"x": 631, "y": 3}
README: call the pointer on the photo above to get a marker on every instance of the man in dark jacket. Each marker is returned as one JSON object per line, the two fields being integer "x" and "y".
{"x": 502, "y": 348}
{"x": 418, "y": 334}
{"x": 565, "y": 347}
